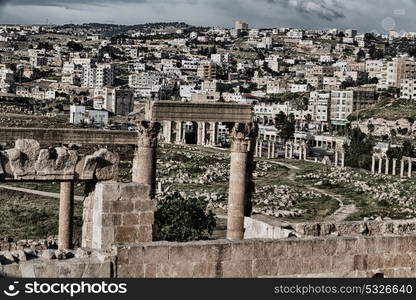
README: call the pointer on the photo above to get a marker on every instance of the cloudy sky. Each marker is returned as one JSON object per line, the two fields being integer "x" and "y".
{"x": 364, "y": 15}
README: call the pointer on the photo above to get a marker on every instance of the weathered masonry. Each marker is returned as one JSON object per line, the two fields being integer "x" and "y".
{"x": 28, "y": 162}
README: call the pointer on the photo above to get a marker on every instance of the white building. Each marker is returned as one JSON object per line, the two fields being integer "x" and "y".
{"x": 79, "y": 115}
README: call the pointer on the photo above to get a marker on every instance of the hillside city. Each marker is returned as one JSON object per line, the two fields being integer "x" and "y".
{"x": 335, "y": 110}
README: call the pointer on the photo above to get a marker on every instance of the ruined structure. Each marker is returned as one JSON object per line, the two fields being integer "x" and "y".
{"x": 28, "y": 162}
{"x": 387, "y": 166}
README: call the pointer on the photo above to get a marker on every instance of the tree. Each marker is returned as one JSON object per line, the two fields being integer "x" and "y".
{"x": 285, "y": 125}
{"x": 74, "y": 46}
{"x": 358, "y": 153}
{"x": 183, "y": 219}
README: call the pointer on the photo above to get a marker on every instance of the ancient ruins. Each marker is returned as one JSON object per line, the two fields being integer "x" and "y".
{"x": 118, "y": 219}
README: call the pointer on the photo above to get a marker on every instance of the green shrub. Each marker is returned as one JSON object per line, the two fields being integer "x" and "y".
{"x": 182, "y": 220}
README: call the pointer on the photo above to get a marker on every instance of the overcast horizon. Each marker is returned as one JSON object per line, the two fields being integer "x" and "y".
{"x": 372, "y": 15}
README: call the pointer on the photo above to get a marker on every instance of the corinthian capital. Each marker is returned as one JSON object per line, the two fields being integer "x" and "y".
{"x": 243, "y": 136}
{"x": 147, "y": 133}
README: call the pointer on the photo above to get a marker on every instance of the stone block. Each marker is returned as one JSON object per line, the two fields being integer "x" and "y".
{"x": 150, "y": 271}
{"x": 130, "y": 219}
{"x": 265, "y": 267}
{"x": 122, "y": 207}
{"x": 145, "y": 205}
{"x": 207, "y": 270}
{"x": 125, "y": 234}
{"x": 130, "y": 271}
{"x": 186, "y": 253}
{"x": 237, "y": 269}
{"x": 360, "y": 262}
{"x": 274, "y": 250}
{"x": 146, "y": 218}
{"x": 242, "y": 250}
{"x": 157, "y": 254}
{"x": 144, "y": 234}
{"x": 343, "y": 263}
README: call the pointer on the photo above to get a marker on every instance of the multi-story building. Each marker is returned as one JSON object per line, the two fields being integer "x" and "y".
{"x": 97, "y": 76}
{"x": 400, "y": 68}
{"x": 345, "y": 102}
{"x": 207, "y": 71}
{"x": 6, "y": 80}
{"x": 408, "y": 88}
{"x": 119, "y": 102}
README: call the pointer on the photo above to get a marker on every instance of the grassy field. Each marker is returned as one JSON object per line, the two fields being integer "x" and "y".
{"x": 388, "y": 109}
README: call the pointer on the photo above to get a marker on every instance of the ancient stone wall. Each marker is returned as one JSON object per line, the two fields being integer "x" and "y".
{"x": 393, "y": 256}
{"x": 258, "y": 227}
{"x": 117, "y": 213}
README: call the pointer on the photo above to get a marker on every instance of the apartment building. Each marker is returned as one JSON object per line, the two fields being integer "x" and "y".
{"x": 345, "y": 102}
{"x": 207, "y": 71}
{"x": 398, "y": 69}
{"x": 408, "y": 89}
{"x": 97, "y": 76}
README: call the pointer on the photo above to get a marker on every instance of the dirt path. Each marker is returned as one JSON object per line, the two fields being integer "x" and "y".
{"x": 341, "y": 214}
{"x": 36, "y": 192}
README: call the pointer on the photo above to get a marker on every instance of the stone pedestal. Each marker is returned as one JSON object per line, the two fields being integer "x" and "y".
{"x": 66, "y": 215}
{"x": 144, "y": 164}
{"x": 242, "y": 141}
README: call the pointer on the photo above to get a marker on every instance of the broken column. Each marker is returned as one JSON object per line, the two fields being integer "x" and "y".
{"x": 66, "y": 215}
{"x": 242, "y": 141}
{"x": 144, "y": 165}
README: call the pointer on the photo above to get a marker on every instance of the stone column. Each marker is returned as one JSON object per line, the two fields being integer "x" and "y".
{"x": 66, "y": 215}
{"x": 178, "y": 132}
{"x": 215, "y": 134}
{"x": 394, "y": 166}
{"x": 380, "y": 165}
{"x": 387, "y": 166}
{"x": 286, "y": 150}
{"x": 300, "y": 151}
{"x": 336, "y": 158}
{"x": 274, "y": 150}
{"x": 269, "y": 153}
{"x": 261, "y": 149}
{"x": 242, "y": 139}
{"x": 342, "y": 159}
{"x": 402, "y": 168}
{"x": 256, "y": 154}
{"x": 409, "y": 172}
{"x": 144, "y": 164}
{"x": 291, "y": 145}
{"x": 373, "y": 165}
{"x": 305, "y": 153}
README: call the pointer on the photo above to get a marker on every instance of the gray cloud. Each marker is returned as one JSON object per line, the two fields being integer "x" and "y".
{"x": 326, "y": 9}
